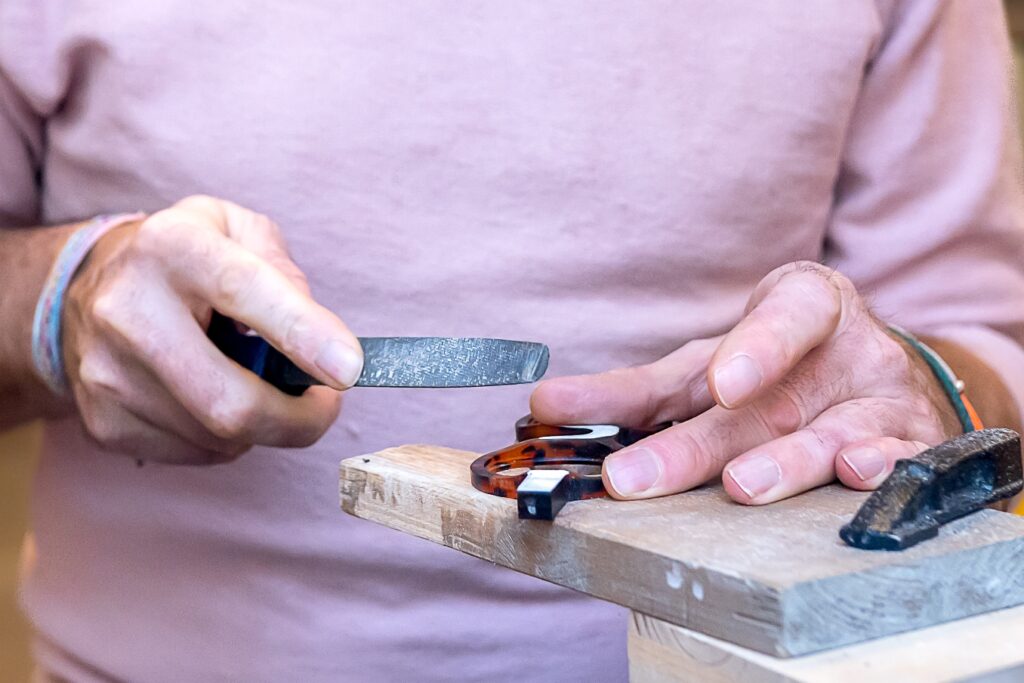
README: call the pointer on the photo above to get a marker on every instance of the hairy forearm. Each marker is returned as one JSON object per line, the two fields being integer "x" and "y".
{"x": 25, "y": 260}
{"x": 986, "y": 389}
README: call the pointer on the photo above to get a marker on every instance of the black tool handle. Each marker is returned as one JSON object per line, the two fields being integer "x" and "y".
{"x": 953, "y": 479}
{"x": 254, "y": 353}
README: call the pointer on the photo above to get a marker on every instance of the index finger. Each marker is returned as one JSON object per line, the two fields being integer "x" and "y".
{"x": 241, "y": 285}
{"x": 671, "y": 388}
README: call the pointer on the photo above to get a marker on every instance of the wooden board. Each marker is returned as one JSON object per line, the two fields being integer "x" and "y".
{"x": 775, "y": 579}
{"x": 982, "y": 648}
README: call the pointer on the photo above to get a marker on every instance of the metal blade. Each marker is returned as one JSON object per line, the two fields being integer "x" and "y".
{"x": 393, "y": 361}
{"x": 450, "y": 362}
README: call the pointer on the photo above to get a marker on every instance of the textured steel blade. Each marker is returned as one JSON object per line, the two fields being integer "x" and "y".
{"x": 450, "y": 362}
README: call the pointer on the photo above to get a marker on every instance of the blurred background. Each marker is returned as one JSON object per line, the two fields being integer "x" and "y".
{"x": 19, "y": 449}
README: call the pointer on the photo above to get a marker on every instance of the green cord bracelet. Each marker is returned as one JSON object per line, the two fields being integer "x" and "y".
{"x": 951, "y": 385}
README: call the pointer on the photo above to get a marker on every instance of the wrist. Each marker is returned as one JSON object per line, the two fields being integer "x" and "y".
{"x": 47, "y": 321}
{"x": 45, "y": 244}
{"x": 26, "y": 257}
{"x": 934, "y": 392}
{"x": 944, "y": 388}
{"x": 988, "y": 390}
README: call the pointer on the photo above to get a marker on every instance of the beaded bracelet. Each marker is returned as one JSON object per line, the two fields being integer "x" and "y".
{"x": 951, "y": 384}
{"x": 47, "y": 354}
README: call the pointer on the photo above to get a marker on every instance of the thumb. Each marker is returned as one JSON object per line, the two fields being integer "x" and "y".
{"x": 673, "y": 388}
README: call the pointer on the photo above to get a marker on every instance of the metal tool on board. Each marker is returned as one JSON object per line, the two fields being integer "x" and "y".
{"x": 421, "y": 362}
{"x": 951, "y": 480}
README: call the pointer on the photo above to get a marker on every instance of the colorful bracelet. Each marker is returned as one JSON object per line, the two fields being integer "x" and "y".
{"x": 46, "y": 325}
{"x": 951, "y": 384}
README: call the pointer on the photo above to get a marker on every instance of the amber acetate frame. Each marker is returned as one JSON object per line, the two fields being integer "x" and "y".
{"x": 575, "y": 448}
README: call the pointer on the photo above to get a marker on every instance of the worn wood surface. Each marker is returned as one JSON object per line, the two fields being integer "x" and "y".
{"x": 775, "y": 579}
{"x": 982, "y": 648}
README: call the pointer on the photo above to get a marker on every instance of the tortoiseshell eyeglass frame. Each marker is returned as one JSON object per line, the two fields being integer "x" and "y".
{"x": 575, "y": 448}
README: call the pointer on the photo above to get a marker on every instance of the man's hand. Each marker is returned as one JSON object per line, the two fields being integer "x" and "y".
{"x": 148, "y": 382}
{"x": 807, "y": 387}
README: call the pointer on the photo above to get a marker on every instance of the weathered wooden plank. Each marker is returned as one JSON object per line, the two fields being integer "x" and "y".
{"x": 775, "y": 579}
{"x": 981, "y": 648}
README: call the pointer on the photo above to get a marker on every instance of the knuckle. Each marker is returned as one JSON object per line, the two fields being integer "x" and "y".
{"x": 318, "y": 418}
{"x": 648, "y": 385}
{"x": 820, "y": 442}
{"x": 125, "y": 328}
{"x": 283, "y": 264}
{"x": 225, "y": 424}
{"x": 97, "y": 374}
{"x": 295, "y": 331}
{"x": 802, "y": 268}
{"x": 920, "y": 408}
{"x": 234, "y": 452}
{"x": 923, "y": 421}
{"x": 264, "y": 221}
{"x": 235, "y": 280}
{"x": 697, "y": 445}
{"x": 892, "y": 357}
{"x": 822, "y": 283}
{"x": 230, "y": 420}
{"x": 168, "y": 232}
{"x": 761, "y": 317}
{"x": 223, "y": 455}
{"x": 308, "y": 436}
{"x": 205, "y": 209}
{"x": 781, "y": 413}
{"x": 155, "y": 234}
{"x": 108, "y": 311}
{"x": 103, "y": 430}
{"x": 164, "y": 238}
{"x": 702, "y": 348}
{"x": 871, "y": 416}
{"x": 146, "y": 344}
{"x": 202, "y": 202}
{"x": 766, "y": 328}
{"x": 813, "y": 268}
{"x": 121, "y": 323}
{"x": 820, "y": 293}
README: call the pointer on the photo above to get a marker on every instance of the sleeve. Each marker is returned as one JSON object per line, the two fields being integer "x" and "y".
{"x": 21, "y": 150}
{"x": 928, "y": 216}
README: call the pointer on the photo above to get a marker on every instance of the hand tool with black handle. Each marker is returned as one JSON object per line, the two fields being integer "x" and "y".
{"x": 955, "y": 478}
{"x": 421, "y": 362}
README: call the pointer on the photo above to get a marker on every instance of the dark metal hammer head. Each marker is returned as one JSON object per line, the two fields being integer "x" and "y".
{"x": 953, "y": 479}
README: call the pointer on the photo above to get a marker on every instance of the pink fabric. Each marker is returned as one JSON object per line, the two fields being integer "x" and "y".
{"x": 610, "y": 178}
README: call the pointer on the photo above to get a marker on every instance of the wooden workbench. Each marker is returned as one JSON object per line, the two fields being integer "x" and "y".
{"x": 726, "y": 592}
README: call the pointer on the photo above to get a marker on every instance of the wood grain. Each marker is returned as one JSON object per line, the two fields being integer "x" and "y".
{"x": 775, "y": 579}
{"x": 981, "y": 648}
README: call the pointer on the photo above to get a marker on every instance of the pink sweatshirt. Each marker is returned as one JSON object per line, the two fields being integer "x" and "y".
{"x": 610, "y": 178}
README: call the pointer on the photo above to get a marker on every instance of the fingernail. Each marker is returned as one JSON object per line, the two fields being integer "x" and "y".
{"x": 756, "y": 475}
{"x": 866, "y": 463}
{"x": 737, "y": 379}
{"x": 340, "y": 361}
{"x": 632, "y": 471}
